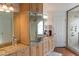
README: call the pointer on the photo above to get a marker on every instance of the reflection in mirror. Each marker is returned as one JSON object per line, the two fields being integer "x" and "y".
{"x": 40, "y": 28}
{"x": 36, "y": 27}
{"x": 5, "y": 28}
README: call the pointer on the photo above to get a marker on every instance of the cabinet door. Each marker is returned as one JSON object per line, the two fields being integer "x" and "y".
{"x": 20, "y": 52}
{"x": 45, "y": 48}
{"x": 40, "y": 7}
{"x": 50, "y": 43}
{"x": 33, "y": 7}
{"x": 40, "y": 49}
{"x": 23, "y": 52}
{"x": 26, "y": 52}
{"x": 36, "y": 7}
{"x": 33, "y": 50}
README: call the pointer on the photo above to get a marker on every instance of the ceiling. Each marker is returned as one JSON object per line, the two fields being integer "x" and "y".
{"x": 58, "y": 7}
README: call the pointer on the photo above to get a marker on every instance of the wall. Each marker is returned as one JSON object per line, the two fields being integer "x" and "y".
{"x": 58, "y": 22}
{"x": 60, "y": 29}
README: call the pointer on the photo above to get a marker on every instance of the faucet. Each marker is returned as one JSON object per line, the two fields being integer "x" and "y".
{"x": 14, "y": 41}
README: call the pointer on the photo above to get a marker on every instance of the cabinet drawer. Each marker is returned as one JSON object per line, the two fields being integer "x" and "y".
{"x": 40, "y": 49}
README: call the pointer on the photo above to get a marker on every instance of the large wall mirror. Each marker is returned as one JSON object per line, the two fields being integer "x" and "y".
{"x": 36, "y": 26}
{"x": 73, "y": 29}
{"x": 5, "y": 28}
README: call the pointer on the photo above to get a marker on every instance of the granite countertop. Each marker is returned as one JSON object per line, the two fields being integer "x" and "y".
{"x": 11, "y": 49}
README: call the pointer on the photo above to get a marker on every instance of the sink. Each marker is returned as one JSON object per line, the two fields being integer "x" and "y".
{"x": 37, "y": 40}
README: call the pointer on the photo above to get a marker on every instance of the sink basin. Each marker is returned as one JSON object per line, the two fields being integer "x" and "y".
{"x": 37, "y": 40}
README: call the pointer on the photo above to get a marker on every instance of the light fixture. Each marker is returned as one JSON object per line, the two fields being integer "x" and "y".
{"x": 11, "y": 8}
{"x": 6, "y": 7}
{"x": 1, "y": 9}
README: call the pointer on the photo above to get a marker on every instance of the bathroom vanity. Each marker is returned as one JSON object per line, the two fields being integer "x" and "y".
{"x": 26, "y": 33}
{"x": 42, "y": 48}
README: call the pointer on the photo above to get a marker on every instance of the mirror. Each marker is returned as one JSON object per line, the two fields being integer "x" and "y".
{"x": 5, "y": 28}
{"x": 36, "y": 27}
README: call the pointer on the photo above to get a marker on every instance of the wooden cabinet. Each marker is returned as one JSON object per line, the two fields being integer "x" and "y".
{"x": 51, "y": 43}
{"x": 40, "y": 8}
{"x": 48, "y": 45}
{"x": 36, "y": 7}
{"x": 24, "y": 7}
{"x": 33, "y": 7}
